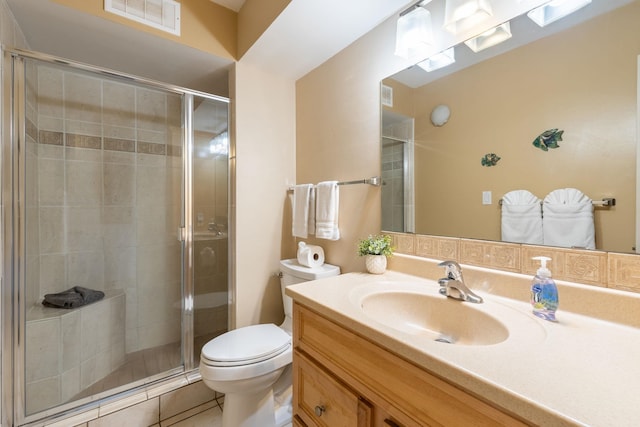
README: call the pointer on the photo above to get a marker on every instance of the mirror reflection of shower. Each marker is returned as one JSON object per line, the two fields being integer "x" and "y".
{"x": 398, "y": 211}
{"x": 104, "y": 198}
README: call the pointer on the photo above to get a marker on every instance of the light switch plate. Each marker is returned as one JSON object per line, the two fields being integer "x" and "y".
{"x": 486, "y": 197}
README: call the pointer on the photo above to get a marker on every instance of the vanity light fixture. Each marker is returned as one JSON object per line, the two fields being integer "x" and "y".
{"x": 492, "y": 37}
{"x": 554, "y": 10}
{"x": 461, "y": 15}
{"x": 439, "y": 60}
{"x": 414, "y": 33}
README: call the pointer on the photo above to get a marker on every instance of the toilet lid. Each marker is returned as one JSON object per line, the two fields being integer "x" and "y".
{"x": 243, "y": 346}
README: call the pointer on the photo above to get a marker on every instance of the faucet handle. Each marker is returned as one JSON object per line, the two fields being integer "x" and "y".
{"x": 453, "y": 270}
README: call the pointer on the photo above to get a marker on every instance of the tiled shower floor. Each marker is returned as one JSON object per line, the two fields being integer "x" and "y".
{"x": 143, "y": 364}
{"x": 149, "y": 362}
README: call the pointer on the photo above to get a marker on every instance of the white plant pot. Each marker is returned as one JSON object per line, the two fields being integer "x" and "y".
{"x": 376, "y": 264}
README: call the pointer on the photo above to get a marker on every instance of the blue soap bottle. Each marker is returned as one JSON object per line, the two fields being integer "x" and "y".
{"x": 544, "y": 292}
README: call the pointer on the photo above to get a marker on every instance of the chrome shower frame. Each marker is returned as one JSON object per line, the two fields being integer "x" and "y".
{"x": 12, "y": 289}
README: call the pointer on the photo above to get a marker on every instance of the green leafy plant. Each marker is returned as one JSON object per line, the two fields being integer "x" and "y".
{"x": 376, "y": 245}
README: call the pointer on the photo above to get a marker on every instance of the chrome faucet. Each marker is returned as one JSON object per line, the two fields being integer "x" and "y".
{"x": 216, "y": 228}
{"x": 453, "y": 285}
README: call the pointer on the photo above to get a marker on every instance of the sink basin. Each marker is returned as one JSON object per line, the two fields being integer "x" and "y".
{"x": 433, "y": 316}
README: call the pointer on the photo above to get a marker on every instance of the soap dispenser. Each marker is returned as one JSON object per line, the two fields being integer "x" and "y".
{"x": 544, "y": 292}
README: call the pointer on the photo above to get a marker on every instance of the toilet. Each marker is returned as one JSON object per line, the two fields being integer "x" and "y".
{"x": 252, "y": 365}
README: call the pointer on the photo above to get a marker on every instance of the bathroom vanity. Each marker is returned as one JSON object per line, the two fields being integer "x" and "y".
{"x": 343, "y": 379}
{"x": 388, "y": 350}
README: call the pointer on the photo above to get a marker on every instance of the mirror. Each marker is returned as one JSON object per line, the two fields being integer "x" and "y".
{"x": 580, "y": 77}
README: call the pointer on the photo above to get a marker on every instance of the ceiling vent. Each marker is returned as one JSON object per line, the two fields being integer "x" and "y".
{"x": 386, "y": 95}
{"x": 161, "y": 14}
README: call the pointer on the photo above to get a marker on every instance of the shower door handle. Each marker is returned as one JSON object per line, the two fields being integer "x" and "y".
{"x": 182, "y": 234}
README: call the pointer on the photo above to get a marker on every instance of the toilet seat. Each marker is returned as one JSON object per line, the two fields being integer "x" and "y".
{"x": 245, "y": 346}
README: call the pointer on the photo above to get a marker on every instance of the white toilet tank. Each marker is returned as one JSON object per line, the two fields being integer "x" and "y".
{"x": 291, "y": 272}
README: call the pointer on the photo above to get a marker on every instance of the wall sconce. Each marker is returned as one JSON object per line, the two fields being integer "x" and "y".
{"x": 438, "y": 60}
{"x": 440, "y": 115}
{"x": 554, "y": 10}
{"x": 492, "y": 37}
{"x": 461, "y": 15}
{"x": 414, "y": 33}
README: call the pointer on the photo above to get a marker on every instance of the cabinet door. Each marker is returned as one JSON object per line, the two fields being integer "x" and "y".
{"x": 321, "y": 400}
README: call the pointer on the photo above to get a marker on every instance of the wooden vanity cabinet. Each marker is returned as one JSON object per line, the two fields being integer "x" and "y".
{"x": 322, "y": 400}
{"x": 344, "y": 380}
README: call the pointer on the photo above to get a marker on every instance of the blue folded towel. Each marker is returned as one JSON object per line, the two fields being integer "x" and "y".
{"x": 72, "y": 298}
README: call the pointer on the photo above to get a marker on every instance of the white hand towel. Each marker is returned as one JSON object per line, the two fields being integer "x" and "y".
{"x": 327, "y": 209}
{"x": 568, "y": 219}
{"x": 521, "y": 218}
{"x": 303, "y": 210}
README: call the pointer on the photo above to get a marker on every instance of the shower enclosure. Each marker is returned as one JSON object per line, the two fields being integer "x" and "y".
{"x": 119, "y": 185}
{"x": 397, "y": 148}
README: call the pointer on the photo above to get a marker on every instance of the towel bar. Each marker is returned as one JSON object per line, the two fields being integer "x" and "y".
{"x": 606, "y": 202}
{"x": 374, "y": 180}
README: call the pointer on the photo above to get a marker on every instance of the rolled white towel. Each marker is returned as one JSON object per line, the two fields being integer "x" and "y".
{"x": 568, "y": 219}
{"x": 521, "y": 218}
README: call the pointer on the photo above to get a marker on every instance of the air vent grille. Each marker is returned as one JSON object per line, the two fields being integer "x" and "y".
{"x": 161, "y": 14}
{"x": 386, "y": 95}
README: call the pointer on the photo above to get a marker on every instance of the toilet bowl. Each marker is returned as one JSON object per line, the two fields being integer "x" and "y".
{"x": 247, "y": 364}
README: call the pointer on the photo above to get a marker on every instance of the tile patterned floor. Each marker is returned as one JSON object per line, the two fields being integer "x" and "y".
{"x": 211, "y": 417}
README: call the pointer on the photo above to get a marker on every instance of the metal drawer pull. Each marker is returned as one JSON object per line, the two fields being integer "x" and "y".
{"x": 319, "y": 410}
{"x": 390, "y": 423}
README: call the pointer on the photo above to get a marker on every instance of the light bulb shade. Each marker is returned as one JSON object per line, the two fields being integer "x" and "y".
{"x": 440, "y": 115}
{"x": 438, "y": 60}
{"x": 414, "y": 35}
{"x": 462, "y": 15}
{"x": 554, "y": 10}
{"x": 489, "y": 38}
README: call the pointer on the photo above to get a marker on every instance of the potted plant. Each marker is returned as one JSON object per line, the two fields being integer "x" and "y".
{"x": 376, "y": 249}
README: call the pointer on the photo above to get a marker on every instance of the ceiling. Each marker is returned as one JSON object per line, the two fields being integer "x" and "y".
{"x": 524, "y": 31}
{"x": 234, "y": 5}
{"x": 303, "y": 36}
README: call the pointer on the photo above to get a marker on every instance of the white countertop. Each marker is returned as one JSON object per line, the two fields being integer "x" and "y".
{"x": 578, "y": 371}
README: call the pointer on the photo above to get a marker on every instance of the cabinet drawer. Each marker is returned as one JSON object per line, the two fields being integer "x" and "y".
{"x": 321, "y": 400}
{"x": 412, "y": 395}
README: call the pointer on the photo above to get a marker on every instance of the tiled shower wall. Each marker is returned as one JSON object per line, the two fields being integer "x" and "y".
{"x": 393, "y": 159}
{"x": 393, "y": 192}
{"x": 105, "y": 200}
{"x": 173, "y": 403}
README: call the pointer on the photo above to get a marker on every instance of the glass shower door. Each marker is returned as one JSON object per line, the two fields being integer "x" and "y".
{"x": 102, "y": 168}
{"x": 210, "y": 220}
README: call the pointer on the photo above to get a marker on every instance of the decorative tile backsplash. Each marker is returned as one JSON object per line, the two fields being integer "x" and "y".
{"x": 624, "y": 272}
{"x": 612, "y": 270}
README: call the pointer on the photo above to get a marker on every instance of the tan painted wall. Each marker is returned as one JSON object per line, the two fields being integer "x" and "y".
{"x": 402, "y": 98}
{"x": 205, "y": 25}
{"x": 338, "y": 138}
{"x": 254, "y": 18}
{"x": 338, "y": 135}
{"x": 585, "y": 84}
{"x": 264, "y": 114}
